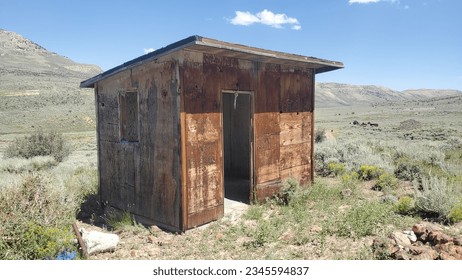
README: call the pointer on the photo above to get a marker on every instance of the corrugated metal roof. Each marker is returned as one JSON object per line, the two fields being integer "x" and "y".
{"x": 202, "y": 44}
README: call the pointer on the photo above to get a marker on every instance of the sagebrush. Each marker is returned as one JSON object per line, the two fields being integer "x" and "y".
{"x": 39, "y": 143}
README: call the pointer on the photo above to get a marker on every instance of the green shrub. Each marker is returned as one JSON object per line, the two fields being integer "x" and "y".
{"x": 319, "y": 135}
{"x": 21, "y": 165}
{"x": 364, "y": 219}
{"x": 39, "y": 143}
{"x": 386, "y": 182}
{"x": 288, "y": 190}
{"x": 321, "y": 191}
{"x": 404, "y": 206}
{"x": 82, "y": 183}
{"x": 407, "y": 169}
{"x": 336, "y": 168}
{"x": 35, "y": 218}
{"x": 437, "y": 196}
{"x": 350, "y": 180}
{"x": 262, "y": 233}
{"x": 351, "y": 154}
{"x": 455, "y": 214}
{"x": 369, "y": 172}
{"x": 39, "y": 242}
{"x": 123, "y": 221}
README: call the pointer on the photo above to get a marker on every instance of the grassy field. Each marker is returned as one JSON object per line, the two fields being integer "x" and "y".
{"x": 370, "y": 181}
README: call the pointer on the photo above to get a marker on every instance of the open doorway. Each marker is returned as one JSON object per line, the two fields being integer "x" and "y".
{"x": 237, "y": 148}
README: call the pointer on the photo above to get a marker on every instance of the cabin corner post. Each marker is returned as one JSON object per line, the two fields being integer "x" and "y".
{"x": 184, "y": 190}
{"x": 183, "y": 156}
{"x": 98, "y": 146}
{"x": 313, "y": 88}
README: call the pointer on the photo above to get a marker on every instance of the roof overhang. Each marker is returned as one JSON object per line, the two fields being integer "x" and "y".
{"x": 206, "y": 45}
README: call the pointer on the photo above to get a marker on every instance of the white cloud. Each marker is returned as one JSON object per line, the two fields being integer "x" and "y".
{"x": 146, "y": 51}
{"x": 265, "y": 17}
{"x": 244, "y": 18}
{"x": 297, "y": 27}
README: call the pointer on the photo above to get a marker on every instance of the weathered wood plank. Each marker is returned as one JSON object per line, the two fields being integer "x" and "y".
{"x": 301, "y": 173}
{"x": 296, "y": 90}
{"x": 204, "y": 161}
{"x": 266, "y": 124}
{"x": 267, "y": 158}
{"x": 206, "y": 216}
{"x": 295, "y": 155}
{"x": 267, "y": 190}
{"x": 295, "y": 128}
{"x": 268, "y": 90}
{"x": 184, "y": 173}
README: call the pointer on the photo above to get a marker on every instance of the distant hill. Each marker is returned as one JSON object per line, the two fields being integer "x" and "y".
{"x": 333, "y": 94}
{"x": 24, "y": 61}
{"x": 40, "y": 88}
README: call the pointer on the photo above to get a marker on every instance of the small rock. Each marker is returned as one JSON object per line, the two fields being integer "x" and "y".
{"x": 446, "y": 256}
{"x": 411, "y": 235}
{"x": 316, "y": 229}
{"x": 133, "y": 253}
{"x": 419, "y": 230}
{"x": 383, "y": 248}
{"x": 449, "y": 251}
{"x": 219, "y": 236}
{"x": 400, "y": 255}
{"x": 424, "y": 253}
{"x": 401, "y": 239}
{"x": 437, "y": 237}
{"x": 151, "y": 239}
{"x": 457, "y": 241}
{"x": 343, "y": 208}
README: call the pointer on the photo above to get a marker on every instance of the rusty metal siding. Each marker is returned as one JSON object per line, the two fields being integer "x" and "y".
{"x": 203, "y": 143}
{"x": 296, "y": 124}
{"x": 283, "y": 121}
{"x": 282, "y": 127}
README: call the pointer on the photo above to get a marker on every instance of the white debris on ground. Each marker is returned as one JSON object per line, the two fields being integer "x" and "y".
{"x": 98, "y": 242}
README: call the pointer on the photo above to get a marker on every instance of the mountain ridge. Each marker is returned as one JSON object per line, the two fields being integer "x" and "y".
{"x": 338, "y": 94}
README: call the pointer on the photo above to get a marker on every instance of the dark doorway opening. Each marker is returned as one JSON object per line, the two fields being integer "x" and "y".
{"x": 237, "y": 113}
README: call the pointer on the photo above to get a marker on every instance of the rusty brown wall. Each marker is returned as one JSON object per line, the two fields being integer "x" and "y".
{"x": 178, "y": 160}
{"x": 204, "y": 76}
{"x": 283, "y": 105}
{"x": 142, "y": 177}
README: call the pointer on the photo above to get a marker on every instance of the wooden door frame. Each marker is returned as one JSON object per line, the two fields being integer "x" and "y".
{"x": 251, "y": 140}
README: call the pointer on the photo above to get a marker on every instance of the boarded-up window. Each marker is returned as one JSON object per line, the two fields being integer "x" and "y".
{"x": 128, "y": 115}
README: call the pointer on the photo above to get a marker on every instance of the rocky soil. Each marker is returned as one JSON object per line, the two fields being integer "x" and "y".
{"x": 426, "y": 241}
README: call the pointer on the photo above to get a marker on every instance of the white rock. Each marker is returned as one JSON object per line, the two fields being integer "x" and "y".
{"x": 98, "y": 242}
{"x": 411, "y": 235}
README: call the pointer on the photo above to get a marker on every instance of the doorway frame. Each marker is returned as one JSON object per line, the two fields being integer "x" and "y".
{"x": 252, "y": 190}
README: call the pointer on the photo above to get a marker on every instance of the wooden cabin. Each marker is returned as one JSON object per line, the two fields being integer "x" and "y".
{"x": 183, "y": 127}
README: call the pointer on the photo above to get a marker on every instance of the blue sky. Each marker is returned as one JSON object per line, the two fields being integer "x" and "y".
{"x": 400, "y": 44}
